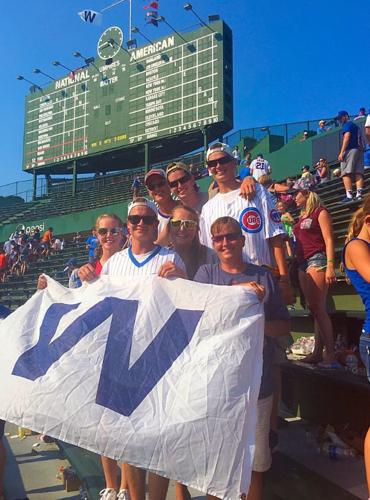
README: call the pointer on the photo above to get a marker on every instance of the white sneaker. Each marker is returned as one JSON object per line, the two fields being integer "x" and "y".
{"x": 108, "y": 494}
{"x": 123, "y": 495}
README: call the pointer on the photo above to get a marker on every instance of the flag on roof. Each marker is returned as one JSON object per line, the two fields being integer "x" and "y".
{"x": 91, "y": 16}
{"x": 152, "y": 13}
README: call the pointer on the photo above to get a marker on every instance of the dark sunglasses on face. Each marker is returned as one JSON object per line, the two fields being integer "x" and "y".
{"x": 183, "y": 223}
{"x": 103, "y": 231}
{"x": 221, "y": 161}
{"x": 148, "y": 220}
{"x": 180, "y": 181}
{"x": 156, "y": 185}
{"x": 219, "y": 238}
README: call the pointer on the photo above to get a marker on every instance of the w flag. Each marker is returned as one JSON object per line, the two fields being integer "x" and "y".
{"x": 162, "y": 374}
{"x": 91, "y": 16}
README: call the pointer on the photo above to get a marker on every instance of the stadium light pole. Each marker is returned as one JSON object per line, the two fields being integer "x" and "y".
{"x": 58, "y": 63}
{"x": 89, "y": 61}
{"x": 21, "y": 77}
{"x": 136, "y": 30}
{"x": 188, "y": 7}
{"x": 190, "y": 46}
{"x": 38, "y": 71}
{"x": 112, "y": 42}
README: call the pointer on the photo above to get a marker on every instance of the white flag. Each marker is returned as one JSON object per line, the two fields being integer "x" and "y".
{"x": 162, "y": 374}
{"x": 91, "y": 16}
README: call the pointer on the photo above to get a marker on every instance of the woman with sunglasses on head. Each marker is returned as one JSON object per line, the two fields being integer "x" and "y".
{"x": 183, "y": 233}
{"x": 184, "y": 187}
{"x": 356, "y": 262}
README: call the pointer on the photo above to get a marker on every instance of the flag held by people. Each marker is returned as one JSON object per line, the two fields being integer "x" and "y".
{"x": 136, "y": 370}
{"x": 91, "y": 16}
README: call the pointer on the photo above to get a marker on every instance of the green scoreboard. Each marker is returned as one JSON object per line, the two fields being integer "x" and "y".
{"x": 166, "y": 93}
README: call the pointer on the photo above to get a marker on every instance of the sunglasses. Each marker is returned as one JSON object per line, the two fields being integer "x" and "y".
{"x": 219, "y": 238}
{"x": 220, "y": 161}
{"x": 183, "y": 223}
{"x": 180, "y": 181}
{"x": 148, "y": 220}
{"x": 103, "y": 231}
{"x": 157, "y": 185}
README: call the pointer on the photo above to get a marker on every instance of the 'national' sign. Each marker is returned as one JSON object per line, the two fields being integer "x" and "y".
{"x": 138, "y": 370}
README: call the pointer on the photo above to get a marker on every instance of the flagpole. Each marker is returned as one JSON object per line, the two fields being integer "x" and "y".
{"x": 130, "y": 21}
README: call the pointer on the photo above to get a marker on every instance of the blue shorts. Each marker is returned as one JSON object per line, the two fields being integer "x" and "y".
{"x": 317, "y": 260}
{"x": 365, "y": 351}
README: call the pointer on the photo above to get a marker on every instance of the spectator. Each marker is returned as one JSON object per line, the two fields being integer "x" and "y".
{"x": 8, "y": 246}
{"x": 46, "y": 241}
{"x": 315, "y": 252}
{"x": 77, "y": 238}
{"x": 228, "y": 242}
{"x": 356, "y": 261}
{"x": 159, "y": 190}
{"x": 304, "y": 137}
{"x": 56, "y": 245}
{"x": 321, "y": 128}
{"x": 183, "y": 231}
{"x": 361, "y": 114}
{"x": 184, "y": 187}
{"x": 236, "y": 154}
{"x": 351, "y": 157}
{"x": 245, "y": 171}
{"x": 3, "y": 265}
{"x": 322, "y": 171}
{"x": 72, "y": 270}
{"x": 259, "y": 167}
{"x": 24, "y": 254}
{"x": 135, "y": 188}
{"x": 91, "y": 244}
{"x": 288, "y": 222}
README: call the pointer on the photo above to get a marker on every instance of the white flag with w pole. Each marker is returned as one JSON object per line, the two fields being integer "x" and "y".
{"x": 161, "y": 374}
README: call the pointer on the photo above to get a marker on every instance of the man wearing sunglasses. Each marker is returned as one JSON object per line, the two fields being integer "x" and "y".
{"x": 158, "y": 189}
{"x": 228, "y": 242}
{"x": 258, "y": 217}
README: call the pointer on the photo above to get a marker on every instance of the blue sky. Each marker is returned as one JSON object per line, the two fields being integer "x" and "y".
{"x": 292, "y": 60}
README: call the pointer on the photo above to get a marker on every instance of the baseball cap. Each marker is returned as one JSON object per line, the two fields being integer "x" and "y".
{"x": 177, "y": 165}
{"x": 143, "y": 202}
{"x": 301, "y": 185}
{"x": 219, "y": 147}
{"x": 341, "y": 114}
{"x": 155, "y": 171}
{"x": 322, "y": 122}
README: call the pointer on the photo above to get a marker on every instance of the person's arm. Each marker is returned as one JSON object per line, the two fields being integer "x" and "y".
{"x": 358, "y": 255}
{"x": 346, "y": 138}
{"x": 327, "y": 233}
{"x": 323, "y": 172}
{"x": 248, "y": 188}
{"x": 171, "y": 270}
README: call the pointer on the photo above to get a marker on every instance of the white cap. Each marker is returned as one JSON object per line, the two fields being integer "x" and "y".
{"x": 143, "y": 202}
{"x": 219, "y": 147}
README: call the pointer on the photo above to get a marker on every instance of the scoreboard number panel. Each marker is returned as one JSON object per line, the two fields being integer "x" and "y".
{"x": 126, "y": 98}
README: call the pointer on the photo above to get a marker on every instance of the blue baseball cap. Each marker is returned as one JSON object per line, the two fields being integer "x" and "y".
{"x": 341, "y": 114}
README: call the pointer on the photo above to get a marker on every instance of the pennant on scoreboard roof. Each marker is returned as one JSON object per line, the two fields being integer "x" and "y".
{"x": 152, "y": 5}
{"x": 91, "y": 16}
{"x": 152, "y": 14}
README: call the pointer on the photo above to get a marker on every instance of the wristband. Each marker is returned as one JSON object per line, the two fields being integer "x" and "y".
{"x": 331, "y": 260}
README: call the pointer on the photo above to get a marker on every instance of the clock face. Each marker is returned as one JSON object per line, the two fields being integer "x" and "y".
{"x": 110, "y": 42}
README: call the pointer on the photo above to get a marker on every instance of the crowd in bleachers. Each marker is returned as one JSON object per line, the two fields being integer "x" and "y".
{"x": 243, "y": 231}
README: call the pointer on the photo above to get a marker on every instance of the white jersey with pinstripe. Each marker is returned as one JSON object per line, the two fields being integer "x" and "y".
{"x": 125, "y": 263}
{"x": 258, "y": 219}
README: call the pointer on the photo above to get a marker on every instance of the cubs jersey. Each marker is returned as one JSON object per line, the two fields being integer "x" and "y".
{"x": 163, "y": 221}
{"x": 126, "y": 263}
{"x": 259, "y": 167}
{"x": 258, "y": 219}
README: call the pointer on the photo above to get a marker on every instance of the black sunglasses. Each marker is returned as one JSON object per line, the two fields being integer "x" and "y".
{"x": 229, "y": 237}
{"x": 180, "y": 181}
{"x": 102, "y": 231}
{"x": 154, "y": 186}
{"x": 148, "y": 220}
{"x": 221, "y": 161}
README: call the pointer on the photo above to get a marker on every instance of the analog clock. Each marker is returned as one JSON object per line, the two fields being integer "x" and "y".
{"x": 110, "y": 42}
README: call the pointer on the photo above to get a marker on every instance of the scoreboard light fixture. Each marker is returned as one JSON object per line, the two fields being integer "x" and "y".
{"x": 39, "y": 71}
{"x": 113, "y": 43}
{"x": 58, "y": 63}
{"x": 213, "y": 17}
{"x": 89, "y": 61}
{"x": 34, "y": 85}
{"x": 190, "y": 46}
{"x": 189, "y": 7}
{"x": 131, "y": 44}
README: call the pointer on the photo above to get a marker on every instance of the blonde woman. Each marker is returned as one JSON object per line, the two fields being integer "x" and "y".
{"x": 315, "y": 252}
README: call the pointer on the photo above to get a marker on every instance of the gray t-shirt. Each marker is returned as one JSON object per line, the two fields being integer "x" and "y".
{"x": 274, "y": 308}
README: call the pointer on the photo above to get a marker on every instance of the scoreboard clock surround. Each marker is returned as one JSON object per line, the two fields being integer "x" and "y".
{"x": 158, "y": 93}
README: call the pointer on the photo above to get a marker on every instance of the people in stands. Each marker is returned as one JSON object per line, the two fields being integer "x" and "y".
{"x": 236, "y": 155}
{"x": 322, "y": 171}
{"x": 72, "y": 270}
{"x": 135, "y": 187}
{"x": 313, "y": 233}
{"x": 143, "y": 258}
{"x": 46, "y": 241}
{"x": 258, "y": 218}
{"x": 259, "y": 167}
{"x": 304, "y": 137}
{"x": 321, "y": 128}
{"x": 24, "y": 255}
{"x": 56, "y": 245}
{"x": 361, "y": 114}
{"x": 3, "y": 265}
{"x": 288, "y": 222}
{"x": 77, "y": 238}
{"x": 351, "y": 157}
{"x": 184, "y": 187}
{"x": 306, "y": 173}
{"x": 229, "y": 242}
{"x": 356, "y": 262}
{"x": 245, "y": 170}
{"x": 91, "y": 243}
{"x": 183, "y": 236}
{"x": 158, "y": 189}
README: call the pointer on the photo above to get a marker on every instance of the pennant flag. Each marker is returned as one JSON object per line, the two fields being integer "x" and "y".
{"x": 152, "y": 5}
{"x": 152, "y": 14}
{"x": 137, "y": 369}
{"x": 91, "y": 16}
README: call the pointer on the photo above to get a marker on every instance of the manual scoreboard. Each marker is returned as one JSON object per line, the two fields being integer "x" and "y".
{"x": 177, "y": 85}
